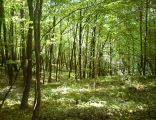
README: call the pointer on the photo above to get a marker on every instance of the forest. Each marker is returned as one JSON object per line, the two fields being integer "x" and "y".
{"x": 77, "y": 59}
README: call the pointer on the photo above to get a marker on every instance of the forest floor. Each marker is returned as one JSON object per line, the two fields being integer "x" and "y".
{"x": 105, "y": 98}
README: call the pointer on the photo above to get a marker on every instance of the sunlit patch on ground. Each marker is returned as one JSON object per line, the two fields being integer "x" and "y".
{"x": 105, "y": 98}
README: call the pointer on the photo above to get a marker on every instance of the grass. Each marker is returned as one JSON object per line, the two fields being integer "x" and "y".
{"x": 106, "y": 98}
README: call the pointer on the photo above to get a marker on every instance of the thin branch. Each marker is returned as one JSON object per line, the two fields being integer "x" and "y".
{"x": 66, "y": 17}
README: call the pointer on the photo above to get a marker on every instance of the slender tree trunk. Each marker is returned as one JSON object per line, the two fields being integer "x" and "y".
{"x": 28, "y": 78}
{"x": 5, "y": 44}
{"x": 59, "y": 57}
{"x": 46, "y": 59}
{"x": 2, "y": 20}
{"x": 3, "y": 27}
{"x": 50, "y": 63}
{"x": 23, "y": 51}
{"x": 80, "y": 46}
{"x": 73, "y": 49}
{"x": 37, "y": 19}
{"x": 10, "y": 63}
{"x": 75, "y": 61}
{"x": 1, "y": 14}
{"x": 146, "y": 37}
{"x": 110, "y": 54}
{"x": 51, "y": 52}
{"x": 93, "y": 44}
{"x": 155, "y": 47}
{"x": 128, "y": 63}
{"x": 100, "y": 62}
{"x": 133, "y": 61}
{"x": 141, "y": 41}
{"x": 86, "y": 54}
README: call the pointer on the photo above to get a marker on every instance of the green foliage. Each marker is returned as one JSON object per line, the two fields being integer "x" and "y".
{"x": 111, "y": 42}
{"x": 114, "y": 97}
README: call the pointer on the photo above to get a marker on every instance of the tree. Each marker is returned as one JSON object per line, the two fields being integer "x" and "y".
{"x": 51, "y": 51}
{"x": 146, "y": 38}
{"x": 28, "y": 78}
{"x": 37, "y": 19}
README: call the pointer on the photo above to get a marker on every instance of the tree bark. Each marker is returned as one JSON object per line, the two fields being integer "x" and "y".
{"x": 37, "y": 19}
{"x": 80, "y": 46}
{"x": 59, "y": 56}
{"x": 73, "y": 49}
{"x": 23, "y": 50}
{"x": 86, "y": 54}
{"x": 28, "y": 78}
{"x": 146, "y": 37}
{"x": 51, "y": 52}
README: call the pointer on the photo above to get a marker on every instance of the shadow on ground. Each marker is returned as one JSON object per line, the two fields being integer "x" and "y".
{"x": 113, "y": 99}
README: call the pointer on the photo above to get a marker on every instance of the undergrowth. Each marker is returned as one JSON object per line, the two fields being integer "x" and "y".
{"x": 109, "y": 98}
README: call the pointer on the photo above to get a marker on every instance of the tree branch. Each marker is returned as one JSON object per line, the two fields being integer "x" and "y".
{"x": 66, "y": 17}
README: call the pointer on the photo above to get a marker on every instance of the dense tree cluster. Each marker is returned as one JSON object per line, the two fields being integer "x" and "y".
{"x": 83, "y": 38}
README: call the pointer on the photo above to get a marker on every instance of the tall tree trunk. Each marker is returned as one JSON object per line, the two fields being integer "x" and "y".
{"x": 75, "y": 61}
{"x": 141, "y": 41}
{"x": 155, "y": 47}
{"x": 1, "y": 43}
{"x": 13, "y": 41}
{"x": 133, "y": 61}
{"x": 3, "y": 26}
{"x": 110, "y": 54}
{"x": 93, "y": 43}
{"x": 86, "y": 54}
{"x": 80, "y": 46}
{"x": 37, "y": 19}
{"x": 23, "y": 51}
{"x": 59, "y": 56}
{"x": 2, "y": 21}
{"x": 51, "y": 51}
{"x": 5, "y": 44}
{"x": 73, "y": 49}
{"x": 28, "y": 78}
{"x": 146, "y": 37}
{"x": 10, "y": 63}
{"x": 1, "y": 14}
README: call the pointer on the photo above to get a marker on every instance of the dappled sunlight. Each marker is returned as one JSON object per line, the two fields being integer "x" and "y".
{"x": 7, "y": 88}
{"x": 139, "y": 86}
{"x": 77, "y": 60}
{"x": 102, "y": 99}
{"x": 113, "y": 97}
{"x": 10, "y": 102}
{"x": 151, "y": 84}
{"x": 136, "y": 84}
{"x": 66, "y": 102}
{"x": 93, "y": 104}
{"x": 62, "y": 90}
